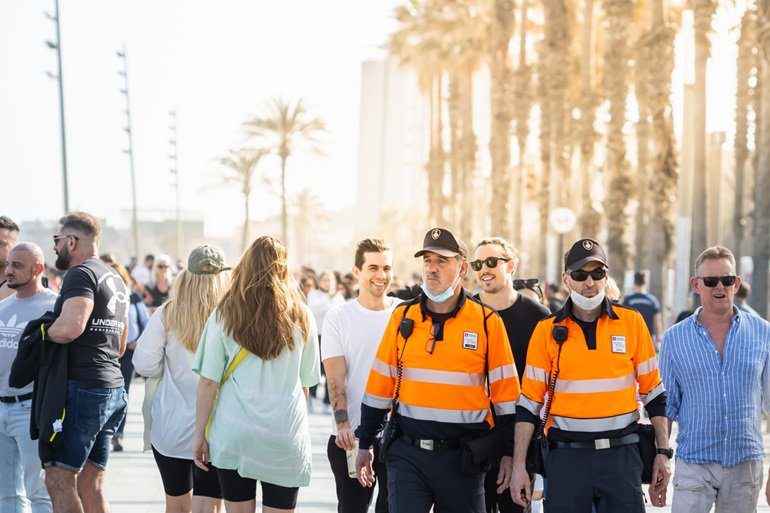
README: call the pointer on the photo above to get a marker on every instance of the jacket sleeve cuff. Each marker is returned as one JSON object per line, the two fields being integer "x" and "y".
{"x": 524, "y": 415}
{"x": 657, "y": 407}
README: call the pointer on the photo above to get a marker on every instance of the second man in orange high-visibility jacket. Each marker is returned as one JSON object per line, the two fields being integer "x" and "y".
{"x": 453, "y": 351}
{"x": 602, "y": 355}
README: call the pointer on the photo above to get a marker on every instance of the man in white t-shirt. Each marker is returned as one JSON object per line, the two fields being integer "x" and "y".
{"x": 350, "y": 337}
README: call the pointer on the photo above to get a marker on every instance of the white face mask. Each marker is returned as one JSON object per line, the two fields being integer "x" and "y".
{"x": 587, "y": 303}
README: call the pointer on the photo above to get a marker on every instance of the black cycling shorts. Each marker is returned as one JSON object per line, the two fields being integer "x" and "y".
{"x": 179, "y": 476}
{"x": 238, "y": 489}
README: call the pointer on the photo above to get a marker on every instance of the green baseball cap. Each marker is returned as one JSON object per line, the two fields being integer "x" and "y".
{"x": 206, "y": 260}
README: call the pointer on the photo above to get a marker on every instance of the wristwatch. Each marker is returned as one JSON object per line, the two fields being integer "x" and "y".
{"x": 668, "y": 453}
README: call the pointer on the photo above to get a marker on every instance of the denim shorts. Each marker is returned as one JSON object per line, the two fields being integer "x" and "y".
{"x": 92, "y": 417}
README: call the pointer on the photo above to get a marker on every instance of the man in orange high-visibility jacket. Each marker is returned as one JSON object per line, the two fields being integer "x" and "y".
{"x": 448, "y": 347}
{"x": 601, "y": 354}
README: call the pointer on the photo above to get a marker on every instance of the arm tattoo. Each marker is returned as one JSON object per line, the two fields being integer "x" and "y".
{"x": 340, "y": 416}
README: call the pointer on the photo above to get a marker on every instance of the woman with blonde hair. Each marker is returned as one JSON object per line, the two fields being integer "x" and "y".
{"x": 259, "y": 429}
{"x": 166, "y": 349}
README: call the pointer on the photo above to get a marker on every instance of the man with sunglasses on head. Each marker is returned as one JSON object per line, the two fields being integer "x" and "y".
{"x": 495, "y": 264}
{"x": 716, "y": 367}
{"x": 436, "y": 356}
{"x": 587, "y": 361}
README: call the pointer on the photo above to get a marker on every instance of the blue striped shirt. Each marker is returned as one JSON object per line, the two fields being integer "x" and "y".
{"x": 717, "y": 401}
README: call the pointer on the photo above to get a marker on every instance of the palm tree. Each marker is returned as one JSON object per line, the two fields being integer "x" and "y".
{"x": 240, "y": 165}
{"x": 762, "y": 188}
{"x": 747, "y": 66}
{"x": 286, "y": 126}
{"x": 703, "y": 12}
{"x": 522, "y": 105}
{"x": 418, "y": 45}
{"x": 308, "y": 216}
{"x": 501, "y": 29}
{"x": 616, "y": 65}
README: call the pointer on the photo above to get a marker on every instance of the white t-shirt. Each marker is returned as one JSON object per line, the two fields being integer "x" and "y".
{"x": 355, "y": 332}
{"x": 320, "y": 303}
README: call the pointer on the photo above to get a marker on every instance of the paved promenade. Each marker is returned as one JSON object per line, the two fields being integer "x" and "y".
{"x": 134, "y": 486}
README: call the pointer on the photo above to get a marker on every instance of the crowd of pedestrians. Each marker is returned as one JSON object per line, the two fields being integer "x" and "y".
{"x": 466, "y": 388}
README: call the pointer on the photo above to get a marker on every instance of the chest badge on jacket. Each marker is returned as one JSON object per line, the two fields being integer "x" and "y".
{"x": 470, "y": 340}
{"x": 618, "y": 344}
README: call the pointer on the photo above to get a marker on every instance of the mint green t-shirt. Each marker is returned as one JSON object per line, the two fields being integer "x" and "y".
{"x": 260, "y": 426}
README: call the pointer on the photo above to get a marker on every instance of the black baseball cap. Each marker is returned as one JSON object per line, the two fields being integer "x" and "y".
{"x": 582, "y": 252}
{"x": 442, "y": 242}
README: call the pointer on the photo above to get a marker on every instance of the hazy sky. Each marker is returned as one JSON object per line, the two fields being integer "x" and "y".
{"x": 215, "y": 62}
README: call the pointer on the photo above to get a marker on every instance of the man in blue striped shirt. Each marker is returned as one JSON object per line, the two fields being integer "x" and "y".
{"x": 716, "y": 369}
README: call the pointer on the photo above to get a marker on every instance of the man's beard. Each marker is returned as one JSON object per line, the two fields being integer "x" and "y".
{"x": 63, "y": 259}
{"x": 18, "y": 284}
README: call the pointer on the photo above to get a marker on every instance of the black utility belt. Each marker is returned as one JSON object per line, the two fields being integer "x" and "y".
{"x": 599, "y": 443}
{"x": 15, "y": 398}
{"x": 430, "y": 444}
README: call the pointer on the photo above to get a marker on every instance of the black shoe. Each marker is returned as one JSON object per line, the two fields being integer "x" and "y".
{"x": 116, "y": 445}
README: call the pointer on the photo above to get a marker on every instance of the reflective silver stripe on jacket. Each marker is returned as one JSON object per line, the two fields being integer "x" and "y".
{"x": 506, "y": 408}
{"x": 502, "y": 372}
{"x": 535, "y": 374}
{"x": 655, "y": 392}
{"x": 590, "y": 386}
{"x": 389, "y": 371}
{"x": 440, "y": 377}
{"x": 440, "y": 415}
{"x": 375, "y": 401}
{"x": 595, "y": 425}
{"x": 647, "y": 366}
{"x": 532, "y": 406}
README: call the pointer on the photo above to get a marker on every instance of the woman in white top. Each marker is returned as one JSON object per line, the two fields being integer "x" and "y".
{"x": 320, "y": 301}
{"x": 166, "y": 348}
{"x": 259, "y": 430}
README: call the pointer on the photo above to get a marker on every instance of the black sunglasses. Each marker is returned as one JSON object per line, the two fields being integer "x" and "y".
{"x": 490, "y": 261}
{"x": 596, "y": 274}
{"x": 711, "y": 281}
{"x": 430, "y": 344}
{"x": 530, "y": 283}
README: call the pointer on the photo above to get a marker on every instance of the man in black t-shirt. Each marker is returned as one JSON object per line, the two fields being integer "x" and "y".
{"x": 647, "y": 305}
{"x": 93, "y": 319}
{"x": 495, "y": 263}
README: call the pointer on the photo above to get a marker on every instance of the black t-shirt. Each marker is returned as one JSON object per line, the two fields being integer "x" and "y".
{"x": 520, "y": 320}
{"x": 93, "y": 356}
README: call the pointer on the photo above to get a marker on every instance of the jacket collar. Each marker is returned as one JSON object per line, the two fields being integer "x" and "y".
{"x": 460, "y": 302}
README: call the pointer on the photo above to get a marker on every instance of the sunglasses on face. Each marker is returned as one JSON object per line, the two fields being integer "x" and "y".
{"x": 712, "y": 281}
{"x": 490, "y": 261}
{"x": 162, "y": 266}
{"x": 531, "y": 283}
{"x": 596, "y": 274}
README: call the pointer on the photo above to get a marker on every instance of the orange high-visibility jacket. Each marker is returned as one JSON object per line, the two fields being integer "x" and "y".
{"x": 448, "y": 386}
{"x": 596, "y": 389}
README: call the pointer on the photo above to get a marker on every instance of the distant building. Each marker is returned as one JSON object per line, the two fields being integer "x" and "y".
{"x": 393, "y": 144}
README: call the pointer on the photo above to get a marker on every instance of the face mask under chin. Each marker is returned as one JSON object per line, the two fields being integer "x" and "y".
{"x": 587, "y": 303}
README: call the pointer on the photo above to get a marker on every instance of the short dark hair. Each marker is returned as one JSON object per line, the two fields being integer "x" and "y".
{"x": 744, "y": 291}
{"x": 639, "y": 278}
{"x": 6, "y": 223}
{"x": 82, "y": 222}
{"x": 369, "y": 246}
{"x": 149, "y": 256}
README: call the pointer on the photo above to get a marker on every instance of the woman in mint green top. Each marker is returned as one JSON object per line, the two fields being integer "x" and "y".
{"x": 259, "y": 430}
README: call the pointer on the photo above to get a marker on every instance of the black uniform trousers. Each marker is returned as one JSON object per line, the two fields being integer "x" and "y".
{"x": 419, "y": 479}
{"x": 351, "y": 496}
{"x": 610, "y": 479}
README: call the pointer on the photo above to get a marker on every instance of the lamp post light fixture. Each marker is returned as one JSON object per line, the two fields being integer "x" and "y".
{"x": 60, "y": 80}
{"x": 123, "y": 72}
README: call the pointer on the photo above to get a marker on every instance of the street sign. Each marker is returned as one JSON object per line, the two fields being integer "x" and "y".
{"x": 562, "y": 220}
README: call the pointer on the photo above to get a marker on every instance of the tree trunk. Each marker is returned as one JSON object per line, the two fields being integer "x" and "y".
{"x": 590, "y": 220}
{"x": 522, "y": 104}
{"x": 762, "y": 188}
{"x": 500, "y": 139}
{"x": 455, "y": 149}
{"x": 436, "y": 158}
{"x": 616, "y": 87}
{"x": 703, "y": 11}
{"x": 543, "y": 76}
{"x": 468, "y": 203}
{"x": 245, "y": 234}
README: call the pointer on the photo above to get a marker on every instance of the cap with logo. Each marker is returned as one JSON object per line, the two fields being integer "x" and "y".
{"x": 442, "y": 242}
{"x": 206, "y": 260}
{"x": 582, "y": 252}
